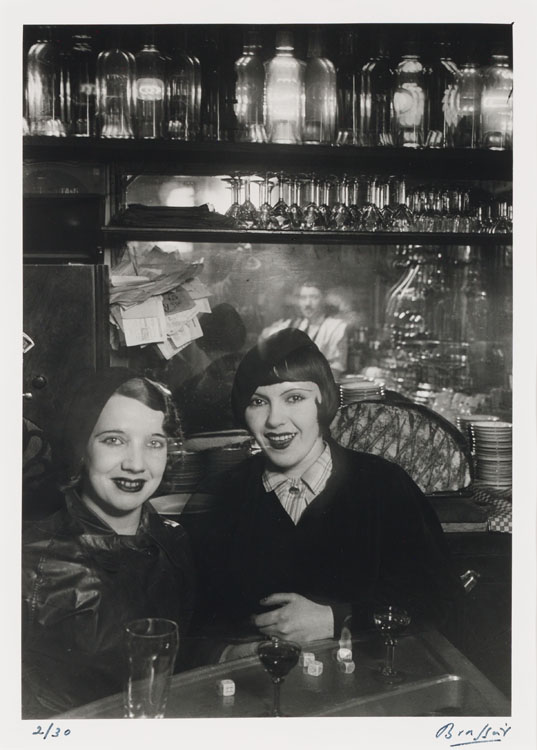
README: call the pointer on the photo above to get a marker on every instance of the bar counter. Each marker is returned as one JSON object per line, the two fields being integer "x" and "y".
{"x": 439, "y": 681}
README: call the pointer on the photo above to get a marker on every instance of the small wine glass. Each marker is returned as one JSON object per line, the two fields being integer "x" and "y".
{"x": 247, "y": 215}
{"x": 235, "y": 186}
{"x": 278, "y": 658}
{"x": 390, "y": 621}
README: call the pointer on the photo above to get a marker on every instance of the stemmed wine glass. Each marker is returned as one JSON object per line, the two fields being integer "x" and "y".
{"x": 295, "y": 209}
{"x": 247, "y": 215}
{"x": 390, "y": 621}
{"x": 265, "y": 219}
{"x": 281, "y": 210}
{"x": 313, "y": 218}
{"x": 278, "y": 658}
{"x": 235, "y": 186}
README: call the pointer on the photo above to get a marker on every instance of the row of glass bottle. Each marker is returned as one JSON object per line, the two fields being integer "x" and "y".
{"x": 284, "y": 100}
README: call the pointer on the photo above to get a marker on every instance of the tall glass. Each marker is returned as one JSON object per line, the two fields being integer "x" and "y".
{"x": 348, "y": 92}
{"x": 468, "y": 104}
{"x": 284, "y": 93}
{"x": 497, "y": 105}
{"x": 409, "y": 101}
{"x": 44, "y": 89}
{"x": 320, "y": 93}
{"x": 376, "y": 105}
{"x": 442, "y": 77}
{"x": 150, "y": 88}
{"x": 82, "y": 69}
{"x": 249, "y": 91}
{"x": 115, "y": 93}
{"x": 182, "y": 99}
{"x": 151, "y": 646}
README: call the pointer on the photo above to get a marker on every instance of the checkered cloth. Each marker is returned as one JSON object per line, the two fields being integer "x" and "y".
{"x": 498, "y": 503}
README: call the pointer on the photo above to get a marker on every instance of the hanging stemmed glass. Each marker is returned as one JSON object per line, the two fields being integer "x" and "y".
{"x": 295, "y": 210}
{"x": 280, "y": 211}
{"x": 278, "y": 658}
{"x": 503, "y": 223}
{"x": 391, "y": 621}
{"x": 402, "y": 217}
{"x": 341, "y": 217}
{"x": 324, "y": 200}
{"x": 247, "y": 216}
{"x": 265, "y": 220}
{"x": 234, "y": 186}
{"x": 386, "y": 211}
{"x": 313, "y": 218}
{"x": 354, "y": 208}
{"x": 371, "y": 216}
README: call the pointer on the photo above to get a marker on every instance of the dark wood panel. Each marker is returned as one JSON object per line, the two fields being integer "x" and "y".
{"x": 65, "y": 314}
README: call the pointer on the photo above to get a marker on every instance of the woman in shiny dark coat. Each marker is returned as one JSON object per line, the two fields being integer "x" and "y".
{"x": 107, "y": 557}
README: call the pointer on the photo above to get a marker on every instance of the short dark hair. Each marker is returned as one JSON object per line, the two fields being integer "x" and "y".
{"x": 286, "y": 356}
{"x": 155, "y": 396}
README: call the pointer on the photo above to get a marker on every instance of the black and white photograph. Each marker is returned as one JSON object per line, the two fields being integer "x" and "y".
{"x": 275, "y": 275}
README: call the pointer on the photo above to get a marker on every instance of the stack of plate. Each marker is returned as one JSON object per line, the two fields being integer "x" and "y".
{"x": 185, "y": 471}
{"x": 464, "y": 423}
{"x": 357, "y": 390}
{"x": 220, "y": 459}
{"x": 493, "y": 452}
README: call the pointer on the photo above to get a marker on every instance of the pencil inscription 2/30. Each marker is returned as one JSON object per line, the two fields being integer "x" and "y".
{"x": 51, "y": 731}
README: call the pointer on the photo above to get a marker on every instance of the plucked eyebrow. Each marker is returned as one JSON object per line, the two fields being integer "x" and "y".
{"x": 288, "y": 390}
{"x": 122, "y": 432}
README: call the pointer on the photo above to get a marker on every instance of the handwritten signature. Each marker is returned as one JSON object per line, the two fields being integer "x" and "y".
{"x": 485, "y": 734}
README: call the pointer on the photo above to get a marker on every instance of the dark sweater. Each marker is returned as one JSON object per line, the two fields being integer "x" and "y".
{"x": 369, "y": 538}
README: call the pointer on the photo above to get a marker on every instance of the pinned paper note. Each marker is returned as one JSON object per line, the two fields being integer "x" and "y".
{"x": 196, "y": 288}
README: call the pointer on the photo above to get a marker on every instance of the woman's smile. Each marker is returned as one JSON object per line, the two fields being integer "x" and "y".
{"x": 284, "y": 420}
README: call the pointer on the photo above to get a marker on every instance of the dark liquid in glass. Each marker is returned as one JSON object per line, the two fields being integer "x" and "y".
{"x": 279, "y": 658}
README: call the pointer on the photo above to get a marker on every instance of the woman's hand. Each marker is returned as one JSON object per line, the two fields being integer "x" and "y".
{"x": 295, "y": 619}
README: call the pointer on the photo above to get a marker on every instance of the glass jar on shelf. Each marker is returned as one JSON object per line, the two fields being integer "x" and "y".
{"x": 376, "y": 102}
{"x": 183, "y": 81}
{"x": 497, "y": 104}
{"x": 149, "y": 92}
{"x": 115, "y": 93}
{"x": 320, "y": 93}
{"x": 284, "y": 93}
{"x": 348, "y": 91}
{"x": 409, "y": 100}
{"x": 82, "y": 86}
{"x": 249, "y": 91}
{"x": 45, "y": 98}
{"x": 468, "y": 105}
{"x": 442, "y": 76}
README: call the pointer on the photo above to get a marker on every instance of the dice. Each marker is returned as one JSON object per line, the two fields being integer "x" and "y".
{"x": 346, "y": 667}
{"x": 344, "y": 654}
{"x": 225, "y": 687}
{"x": 306, "y": 657}
{"x": 314, "y": 668}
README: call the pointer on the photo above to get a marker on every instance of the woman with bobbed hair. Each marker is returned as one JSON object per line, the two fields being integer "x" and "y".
{"x": 106, "y": 557}
{"x": 296, "y": 540}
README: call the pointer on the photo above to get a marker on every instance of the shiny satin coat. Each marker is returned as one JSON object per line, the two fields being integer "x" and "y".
{"x": 81, "y": 583}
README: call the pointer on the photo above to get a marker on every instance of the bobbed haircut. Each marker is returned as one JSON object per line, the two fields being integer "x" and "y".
{"x": 83, "y": 407}
{"x": 287, "y": 356}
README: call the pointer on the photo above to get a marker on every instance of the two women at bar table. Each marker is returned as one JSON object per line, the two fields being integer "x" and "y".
{"x": 293, "y": 542}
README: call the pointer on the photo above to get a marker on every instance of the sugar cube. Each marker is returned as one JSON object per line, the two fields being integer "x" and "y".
{"x": 306, "y": 657}
{"x": 344, "y": 654}
{"x": 225, "y": 687}
{"x": 347, "y": 667}
{"x": 315, "y": 668}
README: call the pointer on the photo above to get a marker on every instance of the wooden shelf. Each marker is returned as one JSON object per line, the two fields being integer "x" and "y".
{"x": 115, "y": 233}
{"x": 178, "y": 157}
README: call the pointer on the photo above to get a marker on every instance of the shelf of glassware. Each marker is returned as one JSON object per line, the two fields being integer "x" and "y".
{"x": 259, "y": 236}
{"x": 209, "y": 158}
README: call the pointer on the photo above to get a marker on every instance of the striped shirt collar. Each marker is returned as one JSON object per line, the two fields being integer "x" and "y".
{"x": 315, "y": 476}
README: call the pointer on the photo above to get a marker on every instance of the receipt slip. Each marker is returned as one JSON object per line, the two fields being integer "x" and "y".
{"x": 144, "y": 323}
{"x": 177, "y": 341}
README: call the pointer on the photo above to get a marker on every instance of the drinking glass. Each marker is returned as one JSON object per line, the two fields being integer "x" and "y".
{"x": 265, "y": 219}
{"x": 247, "y": 214}
{"x": 278, "y": 658}
{"x": 295, "y": 209}
{"x": 280, "y": 211}
{"x": 151, "y": 646}
{"x": 313, "y": 218}
{"x": 234, "y": 185}
{"x": 371, "y": 216}
{"x": 390, "y": 621}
